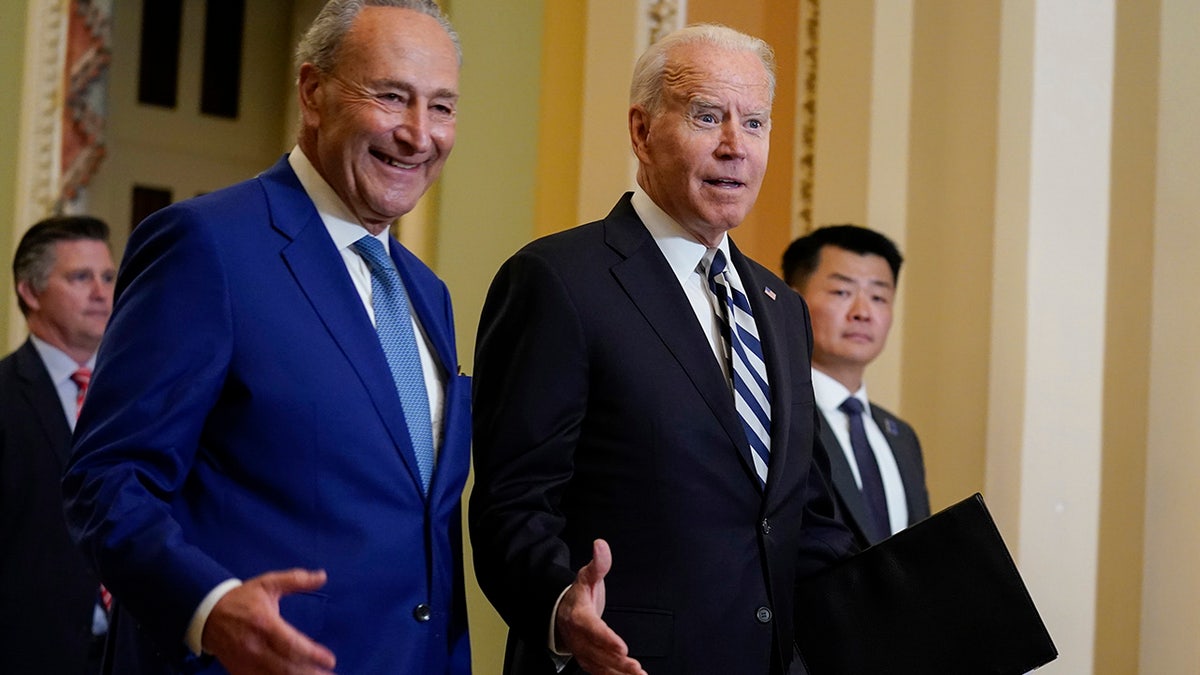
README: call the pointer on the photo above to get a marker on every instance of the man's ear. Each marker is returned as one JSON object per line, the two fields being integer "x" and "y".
{"x": 639, "y": 133}
{"x": 28, "y": 295}
{"x": 311, "y": 94}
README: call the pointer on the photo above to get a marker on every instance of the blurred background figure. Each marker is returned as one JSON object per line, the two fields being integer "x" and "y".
{"x": 52, "y": 613}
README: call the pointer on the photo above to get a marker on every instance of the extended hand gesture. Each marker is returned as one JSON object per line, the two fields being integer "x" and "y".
{"x": 247, "y": 635}
{"x": 579, "y": 629}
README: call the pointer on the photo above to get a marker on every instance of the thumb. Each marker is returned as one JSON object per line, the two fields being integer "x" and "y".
{"x": 295, "y": 580}
{"x": 594, "y": 572}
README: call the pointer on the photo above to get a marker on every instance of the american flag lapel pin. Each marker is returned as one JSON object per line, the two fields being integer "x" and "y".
{"x": 890, "y": 425}
{"x": 769, "y": 293}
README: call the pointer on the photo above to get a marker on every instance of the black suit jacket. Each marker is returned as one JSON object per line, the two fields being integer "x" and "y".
{"x": 600, "y": 412}
{"x": 907, "y": 451}
{"x": 47, "y": 592}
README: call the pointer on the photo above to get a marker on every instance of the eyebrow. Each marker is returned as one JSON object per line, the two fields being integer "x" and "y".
{"x": 410, "y": 87}
{"x": 838, "y": 276}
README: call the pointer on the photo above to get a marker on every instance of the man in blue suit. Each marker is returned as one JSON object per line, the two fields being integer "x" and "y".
{"x": 256, "y": 477}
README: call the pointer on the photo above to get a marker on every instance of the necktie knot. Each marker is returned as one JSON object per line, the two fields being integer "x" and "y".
{"x": 372, "y": 251}
{"x": 851, "y": 406}
{"x": 81, "y": 378}
{"x": 717, "y": 267}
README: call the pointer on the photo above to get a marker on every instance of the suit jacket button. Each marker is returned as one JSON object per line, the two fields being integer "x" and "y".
{"x": 763, "y": 615}
{"x": 766, "y": 526}
{"x": 421, "y": 612}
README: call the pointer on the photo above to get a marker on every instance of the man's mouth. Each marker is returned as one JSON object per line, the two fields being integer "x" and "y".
{"x": 724, "y": 182}
{"x": 392, "y": 162}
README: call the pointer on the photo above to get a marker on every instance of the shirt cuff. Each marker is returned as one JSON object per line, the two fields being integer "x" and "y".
{"x": 560, "y": 658}
{"x": 195, "y": 631}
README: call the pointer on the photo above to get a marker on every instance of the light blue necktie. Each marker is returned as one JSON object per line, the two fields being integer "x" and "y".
{"x": 394, "y": 325}
{"x": 751, "y": 393}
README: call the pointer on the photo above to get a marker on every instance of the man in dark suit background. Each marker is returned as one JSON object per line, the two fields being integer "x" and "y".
{"x": 269, "y": 471}
{"x": 848, "y": 276}
{"x": 52, "y": 618}
{"x": 630, "y": 513}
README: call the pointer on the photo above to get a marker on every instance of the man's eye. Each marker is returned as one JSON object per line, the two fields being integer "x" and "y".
{"x": 754, "y": 124}
{"x": 708, "y": 118}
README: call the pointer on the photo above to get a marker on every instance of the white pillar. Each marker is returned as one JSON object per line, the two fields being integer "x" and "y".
{"x": 1052, "y": 221}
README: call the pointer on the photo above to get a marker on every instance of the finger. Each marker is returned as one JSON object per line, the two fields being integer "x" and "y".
{"x": 296, "y": 580}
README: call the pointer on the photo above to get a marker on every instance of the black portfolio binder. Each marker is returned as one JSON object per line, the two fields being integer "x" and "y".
{"x": 942, "y": 597}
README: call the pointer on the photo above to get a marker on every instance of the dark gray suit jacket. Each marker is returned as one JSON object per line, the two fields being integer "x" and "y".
{"x": 907, "y": 451}
{"x": 47, "y": 592}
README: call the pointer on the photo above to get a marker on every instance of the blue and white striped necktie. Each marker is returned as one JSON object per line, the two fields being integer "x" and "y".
{"x": 751, "y": 392}
{"x": 393, "y": 323}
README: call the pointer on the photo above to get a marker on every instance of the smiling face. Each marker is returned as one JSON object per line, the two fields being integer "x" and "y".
{"x": 702, "y": 155}
{"x": 71, "y": 311}
{"x": 850, "y": 297}
{"x": 380, "y": 126}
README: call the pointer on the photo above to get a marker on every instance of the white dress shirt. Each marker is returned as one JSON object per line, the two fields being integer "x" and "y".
{"x": 830, "y": 394}
{"x": 61, "y": 367}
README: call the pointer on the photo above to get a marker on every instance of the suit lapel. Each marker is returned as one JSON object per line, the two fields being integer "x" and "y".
{"x": 842, "y": 477}
{"x": 647, "y": 279}
{"x": 39, "y": 392}
{"x": 320, "y": 272}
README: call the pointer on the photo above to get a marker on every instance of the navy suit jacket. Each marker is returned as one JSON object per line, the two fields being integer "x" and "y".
{"x": 242, "y": 419}
{"x": 602, "y": 413}
{"x": 907, "y": 451}
{"x": 47, "y": 592}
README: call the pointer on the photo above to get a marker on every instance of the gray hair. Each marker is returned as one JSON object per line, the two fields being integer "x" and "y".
{"x": 36, "y": 253}
{"x": 646, "y": 89}
{"x": 323, "y": 39}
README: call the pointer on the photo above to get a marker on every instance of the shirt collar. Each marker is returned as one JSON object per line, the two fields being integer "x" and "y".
{"x": 343, "y": 227}
{"x": 830, "y": 393}
{"x": 58, "y": 364}
{"x": 682, "y": 252}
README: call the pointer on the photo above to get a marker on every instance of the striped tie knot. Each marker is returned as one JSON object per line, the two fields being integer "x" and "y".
{"x": 82, "y": 378}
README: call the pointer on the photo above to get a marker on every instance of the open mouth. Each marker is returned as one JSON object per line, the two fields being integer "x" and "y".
{"x": 391, "y": 162}
{"x": 724, "y": 182}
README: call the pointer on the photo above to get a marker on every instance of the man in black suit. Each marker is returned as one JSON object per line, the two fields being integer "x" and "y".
{"x": 51, "y": 614}
{"x": 848, "y": 276}
{"x": 647, "y": 488}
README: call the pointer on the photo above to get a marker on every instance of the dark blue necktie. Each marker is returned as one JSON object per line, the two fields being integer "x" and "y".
{"x": 751, "y": 393}
{"x": 868, "y": 470}
{"x": 393, "y": 323}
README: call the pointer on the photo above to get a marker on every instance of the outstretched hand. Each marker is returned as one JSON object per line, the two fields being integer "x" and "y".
{"x": 579, "y": 629}
{"x": 247, "y": 635}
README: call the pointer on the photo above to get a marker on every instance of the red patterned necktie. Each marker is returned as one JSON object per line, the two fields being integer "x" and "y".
{"x": 81, "y": 378}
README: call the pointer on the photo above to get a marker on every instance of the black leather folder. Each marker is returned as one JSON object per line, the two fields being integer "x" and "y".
{"x": 942, "y": 597}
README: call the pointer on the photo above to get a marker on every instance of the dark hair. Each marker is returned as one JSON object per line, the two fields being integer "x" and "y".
{"x": 801, "y": 259}
{"x": 35, "y": 254}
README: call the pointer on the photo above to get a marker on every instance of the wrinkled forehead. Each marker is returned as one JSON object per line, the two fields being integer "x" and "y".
{"x": 701, "y": 71}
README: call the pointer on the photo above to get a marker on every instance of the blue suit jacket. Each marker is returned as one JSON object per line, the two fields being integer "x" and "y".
{"x": 242, "y": 418}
